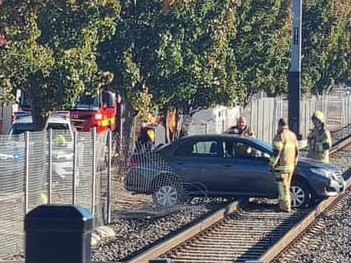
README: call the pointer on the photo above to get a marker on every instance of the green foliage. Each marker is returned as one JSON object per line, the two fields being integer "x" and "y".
{"x": 190, "y": 54}
{"x": 327, "y": 49}
{"x": 52, "y": 55}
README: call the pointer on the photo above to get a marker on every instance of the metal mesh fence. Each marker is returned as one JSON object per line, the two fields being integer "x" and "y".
{"x": 48, "y": 167}
{"x": 145, "y": 184}
{"x": 263, "y": 114}
{"x": 11, "y": 194}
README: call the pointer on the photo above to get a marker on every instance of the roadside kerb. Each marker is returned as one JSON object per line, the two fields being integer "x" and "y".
{"x": 167, "y": 245}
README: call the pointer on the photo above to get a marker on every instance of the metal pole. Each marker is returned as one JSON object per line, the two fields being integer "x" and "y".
{"x": 50, "y": 167}
{"x": 74, "y": 177}
{"x": 109, "y": 178}
{"x": 26, "y": 175}
{"x": 93, "y": 184}
{"x": 295, "y": 72}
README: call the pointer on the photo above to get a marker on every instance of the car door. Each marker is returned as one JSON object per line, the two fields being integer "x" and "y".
{"x": 248, "y": 170}
{"x": 199, "y": 164}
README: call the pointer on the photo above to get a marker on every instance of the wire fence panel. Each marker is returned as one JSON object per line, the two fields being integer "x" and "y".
{"x": 11, "y": 194}
{"x": 55, "y": 166}
{"x": 37, "y": 168}
{"x": 62, "y": 167}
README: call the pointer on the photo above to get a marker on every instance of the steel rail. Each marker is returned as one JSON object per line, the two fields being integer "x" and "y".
{"x": 167, "y": 245}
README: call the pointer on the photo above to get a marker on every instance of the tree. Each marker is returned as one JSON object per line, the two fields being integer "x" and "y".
{"x": 326, "y": 45}
{"x": 178, "y": 50}
{"x": 52, "y": 54}
{"x": 262, "y": 47}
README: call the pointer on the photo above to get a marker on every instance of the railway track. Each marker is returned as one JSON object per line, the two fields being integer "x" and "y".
{"x": 252, "y": 233}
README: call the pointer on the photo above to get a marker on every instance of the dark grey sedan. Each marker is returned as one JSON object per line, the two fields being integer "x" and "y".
{"x": 225, "y": 166}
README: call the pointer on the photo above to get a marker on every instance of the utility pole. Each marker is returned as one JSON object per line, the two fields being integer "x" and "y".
{"x": 295, "y": 71}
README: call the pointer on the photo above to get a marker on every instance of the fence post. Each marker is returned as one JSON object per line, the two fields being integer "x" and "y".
{"x": 74, "y": 175}
{"x": 26, "y": 173}
{"x": 93, "y": 184}
{"x": 109, "y": 177}
{"x": 50, "y": 167}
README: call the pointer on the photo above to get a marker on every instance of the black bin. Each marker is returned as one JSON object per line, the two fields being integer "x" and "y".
{"x": 58, "y": 234}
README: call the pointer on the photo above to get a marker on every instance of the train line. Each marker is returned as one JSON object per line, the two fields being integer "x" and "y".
{"x": 251, "y": 233}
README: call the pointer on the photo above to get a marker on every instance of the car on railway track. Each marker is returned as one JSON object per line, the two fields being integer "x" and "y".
{"x": 222, "y": 165}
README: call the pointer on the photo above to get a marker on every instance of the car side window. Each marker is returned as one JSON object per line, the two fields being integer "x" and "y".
{"x": 245, "y": 151}
{"x": 229, "y": 149}
{"x": 233, "y": 149}
{"x": 210, "y": 148}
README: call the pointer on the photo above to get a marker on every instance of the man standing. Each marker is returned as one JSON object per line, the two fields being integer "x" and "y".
{"x": 241, "y": 128}
{"x": 286, "y": 144}
{"x": 319, "y": 139}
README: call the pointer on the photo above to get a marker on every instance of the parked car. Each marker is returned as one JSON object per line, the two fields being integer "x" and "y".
{"x": 225, "y": 166}
{"x": 62, "y": 156}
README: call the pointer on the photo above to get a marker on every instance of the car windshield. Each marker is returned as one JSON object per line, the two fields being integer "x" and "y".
{"x": 19, "y": 128}
{"x": 58, "y": 126}
{"x": 88, "y": 103}
{"x": 264, "y": 144}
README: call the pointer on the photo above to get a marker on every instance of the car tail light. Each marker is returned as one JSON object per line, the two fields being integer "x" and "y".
{"x": 133, "y": 164}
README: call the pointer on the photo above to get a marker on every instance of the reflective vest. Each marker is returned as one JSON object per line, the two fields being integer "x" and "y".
{"x": 285, "y": 142}
{"x": 319, "y": 143}
{"x": 60, "y": 141}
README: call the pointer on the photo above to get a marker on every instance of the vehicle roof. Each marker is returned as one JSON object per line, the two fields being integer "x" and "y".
{"x": 168, "y": 148}
{"x": 223, "y": 136}
{"x": 51, "y": 119}
{"x": 25, "y": 119}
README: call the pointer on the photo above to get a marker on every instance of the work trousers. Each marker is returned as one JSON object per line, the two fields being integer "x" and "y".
{"x": 284, "y": 182}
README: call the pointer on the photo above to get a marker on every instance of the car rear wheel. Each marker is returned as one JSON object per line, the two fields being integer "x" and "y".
{"x": 300, "y": 194}
{"x": 169, "y": 194}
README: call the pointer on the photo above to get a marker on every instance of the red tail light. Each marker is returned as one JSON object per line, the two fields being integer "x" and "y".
{"x": 133, "y": 164}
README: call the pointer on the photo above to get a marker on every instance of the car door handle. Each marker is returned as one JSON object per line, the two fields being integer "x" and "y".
{"x": 180, "y": 163}
{"x": 227, "y": 165}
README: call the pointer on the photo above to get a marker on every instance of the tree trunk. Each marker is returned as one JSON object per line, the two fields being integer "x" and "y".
{"x": 38, "y": 119}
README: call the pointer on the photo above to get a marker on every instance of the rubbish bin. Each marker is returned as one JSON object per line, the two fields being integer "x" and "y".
{"x": 58, "y": 234}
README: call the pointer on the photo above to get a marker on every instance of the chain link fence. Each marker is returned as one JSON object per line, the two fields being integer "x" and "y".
{"x": 48, "y": 167}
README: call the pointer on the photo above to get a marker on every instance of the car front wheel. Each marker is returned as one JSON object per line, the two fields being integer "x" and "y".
{"x": 169, "y": 194}
{"x": 300, "y": 194}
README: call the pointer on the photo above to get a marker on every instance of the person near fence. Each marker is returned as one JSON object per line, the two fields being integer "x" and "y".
{"x": 146, "y": 138}
{"x": 241, "y": 129}
{"x": 60, "y": 140}
{"x": 286, "y": 145}
{"x": 319, "y": 139}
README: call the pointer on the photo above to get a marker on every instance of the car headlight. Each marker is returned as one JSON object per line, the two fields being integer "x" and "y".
{"x": 323, "y": 172}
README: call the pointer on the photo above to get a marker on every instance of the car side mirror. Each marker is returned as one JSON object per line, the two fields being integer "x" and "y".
{"x": 266, "y": 157}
